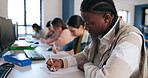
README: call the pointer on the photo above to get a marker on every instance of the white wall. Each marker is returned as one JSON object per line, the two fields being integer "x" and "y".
{"x": 3, "y": 8}
{"x": 127, "y": 7}
{"x": 119, "y": 5}
{"x": 77, "y": 4}
{"x": 51, "y": 9}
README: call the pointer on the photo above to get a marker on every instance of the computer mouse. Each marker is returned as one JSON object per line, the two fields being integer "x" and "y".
{"x": 36, "y": 42}
{"x": 7, "y": 65}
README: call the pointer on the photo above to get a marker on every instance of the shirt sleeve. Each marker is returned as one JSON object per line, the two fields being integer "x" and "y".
{"x": 76, "y": 59}
{"x": 123, "y": 61}
{"x": 64, "y": 38}
{"x": 42, "y": 33}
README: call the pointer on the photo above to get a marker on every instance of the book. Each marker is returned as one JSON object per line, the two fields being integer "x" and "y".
{"x": 19, "y": 59}
{"x": 22, "y": 48}
{"x": 22, "y": 45}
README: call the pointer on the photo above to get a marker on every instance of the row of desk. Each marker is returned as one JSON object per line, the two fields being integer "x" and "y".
{"x": 34, "y": 70}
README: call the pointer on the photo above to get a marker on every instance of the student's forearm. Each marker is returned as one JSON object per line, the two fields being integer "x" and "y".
{"x": 50, "y": 40}
{"x": 115, "y": 68}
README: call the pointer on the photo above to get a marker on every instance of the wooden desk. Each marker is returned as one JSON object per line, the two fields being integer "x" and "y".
{"x": 34, "y": 71}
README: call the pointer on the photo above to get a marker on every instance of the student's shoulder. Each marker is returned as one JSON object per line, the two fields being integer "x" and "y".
{"x": 66, "y": 31}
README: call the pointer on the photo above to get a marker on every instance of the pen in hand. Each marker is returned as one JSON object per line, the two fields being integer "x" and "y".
{"x": 55, "y": 47}
{"x": 52, "y": 62}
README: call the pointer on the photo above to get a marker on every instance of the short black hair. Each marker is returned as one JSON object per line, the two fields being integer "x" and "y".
{"x": 104, "y": 6}
{"x": 48, "y": 24}
{"x": 75, "y": 21}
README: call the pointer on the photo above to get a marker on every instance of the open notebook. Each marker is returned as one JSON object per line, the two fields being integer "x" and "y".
{"x": 21, "y": 43}
{"x": 59, "y": 55}
{"x": 61, "y": 70}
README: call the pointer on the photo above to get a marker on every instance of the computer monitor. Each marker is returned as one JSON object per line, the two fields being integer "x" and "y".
{"x": 15, "y": 27}
{"x": 6, "y": 35}
{"x": 2, "y": 20}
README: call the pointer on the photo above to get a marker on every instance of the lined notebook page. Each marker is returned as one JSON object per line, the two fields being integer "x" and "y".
{"x": 61, "y": 70}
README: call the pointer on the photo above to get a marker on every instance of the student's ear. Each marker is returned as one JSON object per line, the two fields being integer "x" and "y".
{"x": 59, "y": 27}
{"x": 107, "y": 18}
{"x": 81, "y": 26}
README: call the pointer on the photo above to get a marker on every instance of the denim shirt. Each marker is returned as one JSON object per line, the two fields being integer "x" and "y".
{"x": 86, "y": 39}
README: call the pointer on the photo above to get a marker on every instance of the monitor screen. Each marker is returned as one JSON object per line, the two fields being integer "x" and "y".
{"x": 2, "y": 20}
{"x": 6, "y": 34}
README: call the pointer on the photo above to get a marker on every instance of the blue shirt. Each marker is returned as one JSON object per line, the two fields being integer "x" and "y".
{"x": 86, "y": 39}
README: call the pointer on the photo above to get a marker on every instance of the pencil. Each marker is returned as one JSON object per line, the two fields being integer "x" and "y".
{"x": 52, "y": 62}
{"x": 55, "y": 47}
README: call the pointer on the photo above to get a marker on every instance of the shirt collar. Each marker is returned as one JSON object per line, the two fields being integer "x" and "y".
{"x": 85, "y": 37}
{"x": 110, "y": 35}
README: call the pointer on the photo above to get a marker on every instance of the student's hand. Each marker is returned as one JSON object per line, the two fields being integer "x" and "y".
{"x": 36, "y": 37}
{"x": 50, "y": 41}
{"x": 43, "y": 40}
{"x": 33, "y": 36}
{"x": 55, "y": 49}
{"x": 56, "y": 64}
{"x": 80, "y": 66}
{"x": 71, "y": 52}
{"x": 50, "y": 33}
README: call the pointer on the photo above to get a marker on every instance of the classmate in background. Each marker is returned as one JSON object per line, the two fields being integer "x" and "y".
{"x": 82, "y": 37}
{"x": 117, "y": 49}
{"x": 50, "y": 34}
{"x": 39, "y": 32}
{"x": 63, "y": 35}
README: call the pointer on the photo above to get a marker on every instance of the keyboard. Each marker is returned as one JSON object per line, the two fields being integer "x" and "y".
{"x": 5, "y": 69}
{"x": 33, "y": 55}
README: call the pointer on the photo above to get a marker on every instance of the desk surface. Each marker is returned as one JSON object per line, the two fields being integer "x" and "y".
{"x": 34, "y": 71}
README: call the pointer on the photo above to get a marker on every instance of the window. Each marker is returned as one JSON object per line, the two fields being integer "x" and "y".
{"x": 25, "y": 13}
{"x": 124, "y": 15}
{"x": 146, "y": 17}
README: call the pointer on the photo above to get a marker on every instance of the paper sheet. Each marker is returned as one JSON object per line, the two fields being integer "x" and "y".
{"x": 56, "y": 56}
{"x": 60, "y": 55}
{"x": 61, "y": 70}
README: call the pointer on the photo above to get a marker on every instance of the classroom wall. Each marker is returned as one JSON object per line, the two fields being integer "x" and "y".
{"x": 128, "y": 7}
{"x": 139, "y": 17}
{"x": 3, "y": 8}
{"x": 68, "y": 9}
{"x": 77, "y": 4}
{"x": 119, "y": 5}
{"x": 51, "y": 9}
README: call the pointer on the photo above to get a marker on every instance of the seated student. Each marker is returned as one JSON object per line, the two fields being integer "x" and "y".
{"x": 63, "y": 35}
{"x": 39, "y": 32}
{"x": 76, "y": 27}
{"x": 51, "y": 30}
{"x": 117, "y": 49}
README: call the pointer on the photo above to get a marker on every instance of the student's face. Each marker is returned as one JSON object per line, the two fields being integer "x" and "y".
{"x": 50, "y": 28}
{"x": 35, "y": 29}
{"x": 57, "y": 29}
{"x": 94, "y": 23}
{"x": 75, "y": 31}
